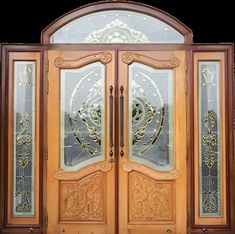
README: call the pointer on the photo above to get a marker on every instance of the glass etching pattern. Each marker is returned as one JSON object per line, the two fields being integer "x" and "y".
{"x": 82, "y": 116}
{"x": 116, "y": 26}
{"x": 209, "y": 138}
{"x": 24, "y": 124}
{"x": 151, "y": 116}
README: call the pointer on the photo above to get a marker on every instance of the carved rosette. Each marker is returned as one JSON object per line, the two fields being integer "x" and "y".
{"x": 59, "y": 61}
{"x": 59, "y": 174}
{"x": 127, "y": 167}
{"x": 175, "y": 62}
{"x": 128, "y": 58}
{"x": 105, "y": 167}
{"x": 174, "y": 174}
{"x": 105, "y": 57}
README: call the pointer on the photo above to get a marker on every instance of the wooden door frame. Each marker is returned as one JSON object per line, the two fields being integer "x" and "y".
{"x": 190, "y": 50}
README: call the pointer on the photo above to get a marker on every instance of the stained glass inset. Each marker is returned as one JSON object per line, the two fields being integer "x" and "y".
{"x": 116, "y": 26}
{"x": 82, "y": 116}
{"x": 209, "y": 138}
{"x": 24, "y": 139}
{"x": 151, "y": 115}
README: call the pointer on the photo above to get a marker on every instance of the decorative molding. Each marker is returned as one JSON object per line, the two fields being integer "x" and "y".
{"x": 103, "y": 57}
{"x": 61, "y": 174}
{"x": 83, "y": 200}
{"x": 128, "y": 58}
{"x": 157, "y": 175}
{"x": 149, "y": 200}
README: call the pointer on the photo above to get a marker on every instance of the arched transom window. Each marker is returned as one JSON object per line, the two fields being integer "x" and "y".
{"x": 116, "y": 26}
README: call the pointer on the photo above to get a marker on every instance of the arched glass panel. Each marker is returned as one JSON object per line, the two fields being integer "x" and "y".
{"x": 116, "y": 26}
{"x": 151, "y": 116}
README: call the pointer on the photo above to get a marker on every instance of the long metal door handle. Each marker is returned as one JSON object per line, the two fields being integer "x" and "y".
{"x": 121, "y": 120}
{"x": 111, "y": 121}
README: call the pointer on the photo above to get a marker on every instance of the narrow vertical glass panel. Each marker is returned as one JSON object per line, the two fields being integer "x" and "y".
{"x": 24, "y": 138}
{"x": 151, "y": 99}
{"x": 209, "y": 138}
{"x": 82, "y": 116}
{"x": 116, "y": 26}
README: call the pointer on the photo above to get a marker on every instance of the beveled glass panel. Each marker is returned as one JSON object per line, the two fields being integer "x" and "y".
{"x": 24, "y": 138}
{"x": 82, "y": 116}
{"x": 209, "y": 138}
{"x": 116, "y": 26}
{"x": 151, "y": 100}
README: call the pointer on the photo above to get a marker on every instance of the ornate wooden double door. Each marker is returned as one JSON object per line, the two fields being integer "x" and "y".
{"x": 117, "y": 142}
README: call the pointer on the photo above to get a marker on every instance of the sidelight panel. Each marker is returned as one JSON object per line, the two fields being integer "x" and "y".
{"x": 24, "y": 138}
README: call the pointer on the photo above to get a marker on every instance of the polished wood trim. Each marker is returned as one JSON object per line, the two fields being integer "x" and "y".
{"x": 43, "y": 143}
{"x": 112, "y": 5}
{"x": 140, "y": 47}
{"x": 116, "y": 47}
{"x": 116, "y": 140}
{"x": 2, "y": 134}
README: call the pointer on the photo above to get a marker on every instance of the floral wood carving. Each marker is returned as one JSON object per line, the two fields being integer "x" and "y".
{"x": 149, "y": 200}
{"x": 83, "y": 200}
{"x": 129, "y": 58}
{"x": 103, "y": 57}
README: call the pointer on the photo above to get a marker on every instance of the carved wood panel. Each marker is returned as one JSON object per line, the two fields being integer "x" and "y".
{"x": 83, "y": 200}
{"x": 150, "y": 200}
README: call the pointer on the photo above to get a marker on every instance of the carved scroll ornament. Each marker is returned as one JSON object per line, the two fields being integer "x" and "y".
{"x": 129, "y": 58}
{"x": 103, "y": 57}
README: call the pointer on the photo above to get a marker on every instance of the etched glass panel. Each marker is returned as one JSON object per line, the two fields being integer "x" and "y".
{"x": 209, "y": 138}
{"x": 151, "y": 119}
{"x": 116, "y": 26}
{"x": 24, "y": 138}
{"x": 82, "y": 116}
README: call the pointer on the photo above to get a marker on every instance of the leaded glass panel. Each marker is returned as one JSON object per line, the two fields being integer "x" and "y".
{"x": 82, "y": 116}
{"x": 24, "y": 138}
{"x": 116, "y": 26}
{"x": 151, "y": 99}
{"x": 209, "y": 138}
